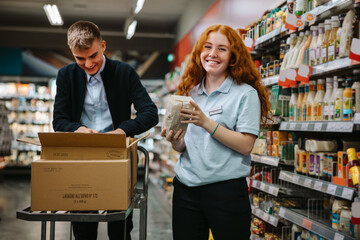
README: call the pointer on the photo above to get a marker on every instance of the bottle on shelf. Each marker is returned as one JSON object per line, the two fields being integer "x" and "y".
{"x": 332, "y": 112}
{"x": 303, "y": 103}
{"x": 296, "y": 50}
{"x": 355, "y": 92}
{"x": 300, "y": 7}
{"x": 282, "y": 49}
{"x": 354, "y": 166}
{"x": 312, "y": 48}
{"x": 325, "y": 43}
{"x": 299, "y": 102}
{"x": 303, "y": 57}
{"x": 288, "y": 55}
{"x": 293, "y": 104}
{"x": 290, "y": 6}
{"x": 319, "y": 101}
{"x": 338, "y": 35}
{"x": 319, "y": 43}
{"x": 339, "y": 96}
{"x": 310, "y": 101}
{"x": 327, "y": 98}
{"x": 347, "y": 101}
{"x": 332, "y": 39}
{"x": 346, "y": 34}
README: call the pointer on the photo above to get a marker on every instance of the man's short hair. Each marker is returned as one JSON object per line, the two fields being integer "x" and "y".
{"x": 82, "y": 34}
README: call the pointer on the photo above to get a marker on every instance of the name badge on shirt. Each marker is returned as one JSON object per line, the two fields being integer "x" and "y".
{"x": 215, "y": 110}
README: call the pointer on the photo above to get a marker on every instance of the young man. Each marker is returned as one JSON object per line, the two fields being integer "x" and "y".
{"x": 94, "y": 95}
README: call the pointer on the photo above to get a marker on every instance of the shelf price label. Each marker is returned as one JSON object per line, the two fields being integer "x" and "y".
{"x": 338, "y": 236}
{"x": 331, "y": 189}
{"x": 317, "y": 127}
{"x": 273, "y": 221}
{"x": 304, "y": 126}
{"x": 303, "y": 74}
{"x": 347, "y": 193}
{"x": 307, "y": 223}
{"x": 282, "y": 212}
{"x": 295, "y": 179}
{"x": 262, "y": 186}
{"x": 308, "y": 182}
{"x": 318, "y": 185}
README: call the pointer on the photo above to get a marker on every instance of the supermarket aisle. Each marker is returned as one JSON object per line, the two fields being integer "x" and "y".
{"x": 15, "y": 194}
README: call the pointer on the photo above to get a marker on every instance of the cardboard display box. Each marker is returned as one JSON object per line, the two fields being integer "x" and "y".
{"x": 62, "y": 148}
{"x": 80, "y": 185}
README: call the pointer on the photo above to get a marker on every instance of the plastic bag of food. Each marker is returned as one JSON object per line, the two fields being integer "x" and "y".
{"x": 172, "y": 116}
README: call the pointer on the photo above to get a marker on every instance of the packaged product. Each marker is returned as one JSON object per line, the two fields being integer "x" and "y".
{"x": 346, "y": 32}
{"x": 172, "y": 117}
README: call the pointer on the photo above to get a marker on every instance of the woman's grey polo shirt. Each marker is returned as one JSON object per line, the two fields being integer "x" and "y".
{"x": 206, "y": 160}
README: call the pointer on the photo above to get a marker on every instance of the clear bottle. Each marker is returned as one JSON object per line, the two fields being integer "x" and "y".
{"x": 319, "y": 101}
{"x": 303, "y": 57}
{"x": 319, "y": 42}
{"x": 310, "y": 101}
{"x": 332, "y": 112}
{"x": 325, "y": 43}
{"x": 312, "y": 48}
{"x": 300, "y": 7}
{"x": 346, "y": 34}
{"x": 338, "y": 34}
{"x": 303, "y": 103}
{"x": 339, "y": 103}
{"x": 296, "y": 50}
{"x": 332, "y": 39}
{"x": 299, "y": 102}
{"x": 327, "y": 98}
{"x": 347, "y": 101}
{"x": 355, "y": 92}
{"x": 293, "y": 104}
{"x": 288, "y": 55}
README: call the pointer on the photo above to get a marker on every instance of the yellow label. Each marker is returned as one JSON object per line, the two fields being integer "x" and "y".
{"x": 355, "y": 171}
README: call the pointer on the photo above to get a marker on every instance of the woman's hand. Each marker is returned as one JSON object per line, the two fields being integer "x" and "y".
{"x": 195, "y": 116}
{"x": 176, "y": 140}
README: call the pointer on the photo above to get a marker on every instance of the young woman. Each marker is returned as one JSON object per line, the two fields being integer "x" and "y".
{"x": 230, "y": 102}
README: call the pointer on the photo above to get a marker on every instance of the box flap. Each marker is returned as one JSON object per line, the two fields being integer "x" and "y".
{"x": 34, "y": 141}
{"x": 70, "y": 139}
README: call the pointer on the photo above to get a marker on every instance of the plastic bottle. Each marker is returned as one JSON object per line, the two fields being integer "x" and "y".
{"x": 339, "y": 96}
{"x": 319, "y": 42}
{"x": 312, "y": 48}
{"x": 355, "y": 92}
{"x": 288, "y": 55}
{"x": 332, "y": 39}
{"x": 300, "y": 7}
{"x": 332, "y": 112}
{"x": 290, "y": 6}
{"x": 327, "y": 98}
{"x": 303, "y": 103}
{"x": 325, "y": 43}
{"x": 354, "y": 166}
{"x": 319, "y": 101}
{"x": 338, "y": 35}
{"x": 310, "y": 101}
{"x": 303, "y": 57}
{"x": 293, "y": 102}
{"x": 347, "y": 101}
{"x": 299, "y": 102}
{"x": 296, "y": 50}
{"x": 346, "y": 33}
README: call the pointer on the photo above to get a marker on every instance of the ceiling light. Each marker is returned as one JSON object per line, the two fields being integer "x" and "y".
{"x": 131, "y": 29}
{"x": 53, "y": 14}
{"x": 139, "y": 6}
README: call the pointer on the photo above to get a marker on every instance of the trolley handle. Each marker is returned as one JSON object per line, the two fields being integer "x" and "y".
{"x": 146, "y": 172}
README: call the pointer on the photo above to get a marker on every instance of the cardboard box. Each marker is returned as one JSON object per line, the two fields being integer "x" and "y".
{"x": 88, "y": 146}
{"x": 80, "y": 185}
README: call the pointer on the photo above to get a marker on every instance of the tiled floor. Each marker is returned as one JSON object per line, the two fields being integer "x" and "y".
{"x": 15, "y": 194}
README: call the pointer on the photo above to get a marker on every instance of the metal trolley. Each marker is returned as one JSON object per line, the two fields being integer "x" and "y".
{"x": 139, "y": 201}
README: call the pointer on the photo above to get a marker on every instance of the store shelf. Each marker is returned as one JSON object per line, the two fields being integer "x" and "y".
{"x": 269, "y": 81}
{"x": 268, "y": 160}
{"x": 270, "y": 35}
{"x": 265, "y": 187}
{"x": 318, "y": 126}
{"x": 312, "y": 225}
{"x": 318, "y": 185}
{"x": 253, "y": 237}
{"x": 37, "y": 97}
{"x": 264, "y": 216}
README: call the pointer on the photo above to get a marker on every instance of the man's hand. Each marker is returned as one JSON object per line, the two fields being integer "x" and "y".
{"x": 117, "y": 131}
{"x": 83, "y": 129}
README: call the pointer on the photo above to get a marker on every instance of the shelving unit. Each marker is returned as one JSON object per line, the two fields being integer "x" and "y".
{"x": 318, "y": 185}
{"x": 312, "y": 225}
{"x": 264, "y": 216}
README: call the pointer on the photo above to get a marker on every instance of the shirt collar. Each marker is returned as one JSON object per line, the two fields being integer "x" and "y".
{"x": 224, "y": 88}
{"x": 97, "y": 75}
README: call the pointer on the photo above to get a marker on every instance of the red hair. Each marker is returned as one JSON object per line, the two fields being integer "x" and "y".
{"x": 241, "y": 67}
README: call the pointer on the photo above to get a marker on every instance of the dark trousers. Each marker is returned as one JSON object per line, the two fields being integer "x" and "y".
{"x": 224, "y": 207}
{"x": 88, "y": 230}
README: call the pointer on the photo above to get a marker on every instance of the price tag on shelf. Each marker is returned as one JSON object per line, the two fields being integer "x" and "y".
{"x": 282, "y": 212}
{"x": 303, "y": 73}
{"x": 357, "y": 118}
{"x": 304, "y": 126}
{"x": 347, "y": 127}
{"x": 331, "y": 126}
{"x": 272, "y": 190}
{"x": 262, "y": 186}
{"x": 284, "y": 126}
{"x": 272, "y": 220}
{"x": 306, "y": 223}
{"x": 295, "y": 179}
{"x": 318, "y": 185}
{"x": 282, "y": 175}
{"x": 307, "y": 182}
{"x": 317, "y": 127}
{"x": 311, "y": 18}
{"x": 338, "y": 236}
{"x": 347, "y": 193}
{"x": 355, "y": 49}
{"x": 331, "y": 189}
{"x": 266, "y": 217}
